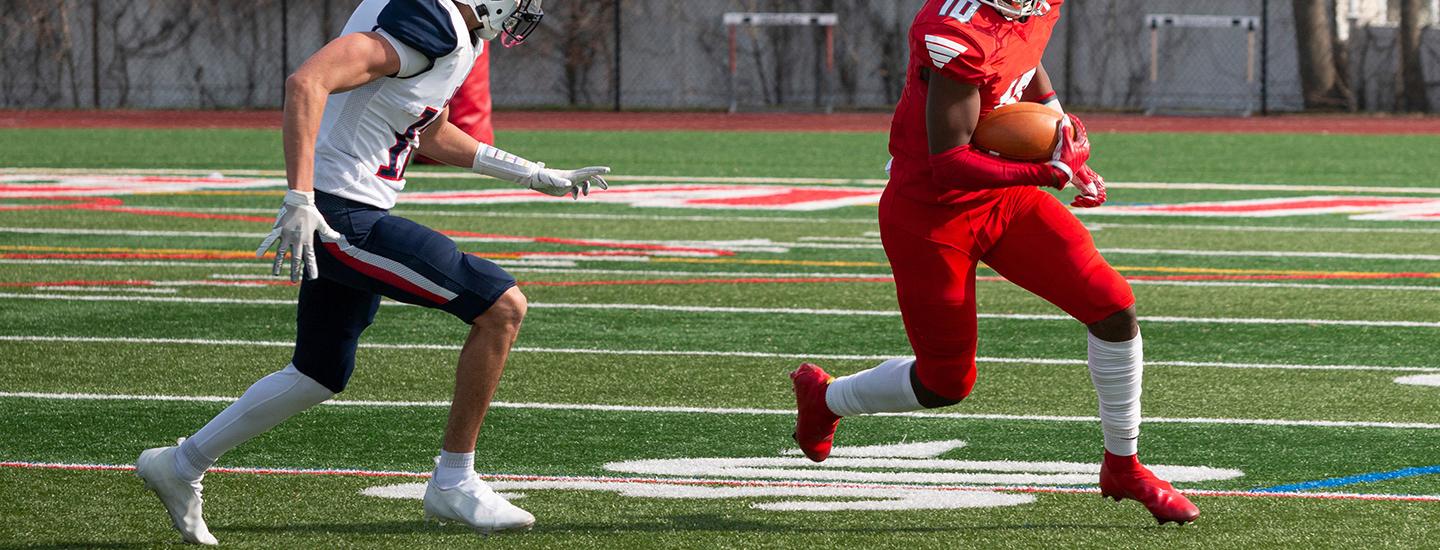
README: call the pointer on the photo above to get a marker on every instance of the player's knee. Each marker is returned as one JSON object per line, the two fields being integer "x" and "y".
{"x": 940, "y": 383}
{"x": 1120, "y": 326}
{"x": 507, "y": 313}
{"x": 333, "y": 375}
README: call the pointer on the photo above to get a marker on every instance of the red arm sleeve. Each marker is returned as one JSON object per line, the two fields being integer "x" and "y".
{"x": 966, "y": 168}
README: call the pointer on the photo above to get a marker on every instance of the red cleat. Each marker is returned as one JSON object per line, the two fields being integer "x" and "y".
{"x": 1123, "y": 477}
{"x": 814, "y": 423}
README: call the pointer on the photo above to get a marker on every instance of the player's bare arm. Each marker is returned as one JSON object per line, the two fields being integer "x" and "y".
{"x": 346, "y": 63}
{"x": 951, "y": 113}
{"x": 1042, "y": 91}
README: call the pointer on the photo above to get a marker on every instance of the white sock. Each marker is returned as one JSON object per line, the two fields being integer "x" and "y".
{"x": 453, "y": 469}
{"x": 1116, "y": 369}
{"x": 883, "y": 388}
{"x": 268, "y": 402}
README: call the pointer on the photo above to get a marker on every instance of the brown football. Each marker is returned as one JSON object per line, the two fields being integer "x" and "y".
{"x": 1019, "y": 131}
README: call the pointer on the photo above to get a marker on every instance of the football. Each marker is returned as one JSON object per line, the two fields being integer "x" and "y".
{"x": 1019, "y": 131}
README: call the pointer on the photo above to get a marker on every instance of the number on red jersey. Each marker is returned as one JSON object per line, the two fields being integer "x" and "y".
{"x": 1017, "y": 89}
{"x": 960, "y": 10}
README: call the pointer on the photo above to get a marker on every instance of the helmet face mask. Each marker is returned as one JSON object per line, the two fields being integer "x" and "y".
{"x": 515, "y": 19}
{"x": 522, "y": 22}
{"x": 1014, "y": 9}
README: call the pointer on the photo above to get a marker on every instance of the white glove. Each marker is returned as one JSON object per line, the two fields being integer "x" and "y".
{"x": 295, "y": 228}
{"x": 495, "y": 163}
{"x": 558, "y": 183}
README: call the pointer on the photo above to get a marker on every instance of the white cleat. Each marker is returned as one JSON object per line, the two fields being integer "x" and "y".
{"x": 156, "y": 467}
{"x": 476, "y": 505}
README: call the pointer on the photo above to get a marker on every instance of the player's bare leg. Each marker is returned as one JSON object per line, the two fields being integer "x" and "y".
{"x": 482, "y": 359}
{"x": 1116, "y": 368}
{"x": 455, "y": 492}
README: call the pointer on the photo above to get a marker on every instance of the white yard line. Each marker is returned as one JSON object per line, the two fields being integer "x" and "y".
{"x": 128, "y": 232}
{"x": 411, "y": 211}
{"x": 838, "y": 243}
{"x": 1164, "y": 252}
{"x": 1274, "y": 187}
{"x": 122, "y": 290}
{"x": 872, "y": 238}
{"x": 238, "y": 264}
{"x": 734, "y": 411}
{"x": 1006, "y": 316}
{"x": 461, "y": 175}
{"x": 1310, "y": 286}
{"x": 1269, "y": 254}
{"x": 692, "y": 353}
{"x": 548, "y": 266}
{"x": 763, "y": 311}
{"x": 1288, "y": 229}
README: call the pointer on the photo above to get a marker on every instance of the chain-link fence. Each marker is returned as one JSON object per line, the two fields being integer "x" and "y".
{"x": 1157, "y": 55}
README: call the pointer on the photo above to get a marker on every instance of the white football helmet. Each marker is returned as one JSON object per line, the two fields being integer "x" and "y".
{"x": 516, "y": 19}
{"x": 1016, "y": 9}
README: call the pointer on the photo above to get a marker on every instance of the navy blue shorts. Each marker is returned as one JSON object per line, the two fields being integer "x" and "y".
{"x": 380, "y": 255}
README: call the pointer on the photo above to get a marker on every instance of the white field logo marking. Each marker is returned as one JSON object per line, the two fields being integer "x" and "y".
{"x": 41, "y": 186}
{"x": 879, "y": 477}
{"x": 715, "y": 196}
{"x": 1420, "y": 380}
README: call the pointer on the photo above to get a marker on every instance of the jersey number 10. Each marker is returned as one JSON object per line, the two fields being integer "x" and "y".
{"x": 960, "y": 10}
{"x": 400, "y": 152}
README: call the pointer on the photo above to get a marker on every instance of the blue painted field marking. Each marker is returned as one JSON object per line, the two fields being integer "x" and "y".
{"x": 1351, "y": 480}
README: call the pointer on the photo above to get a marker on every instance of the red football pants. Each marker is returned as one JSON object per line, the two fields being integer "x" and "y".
{"x": 1024, "y": 234}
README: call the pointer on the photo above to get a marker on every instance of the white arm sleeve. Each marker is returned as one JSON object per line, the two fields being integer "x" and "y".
{"x": 496, "y": 163}
{"x": 412, "y": 62}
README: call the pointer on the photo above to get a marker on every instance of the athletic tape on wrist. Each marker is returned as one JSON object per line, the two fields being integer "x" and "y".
{"x": 493, "y": 162}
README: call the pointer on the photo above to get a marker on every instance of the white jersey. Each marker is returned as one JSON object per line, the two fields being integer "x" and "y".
{"x": 368, "y": 134}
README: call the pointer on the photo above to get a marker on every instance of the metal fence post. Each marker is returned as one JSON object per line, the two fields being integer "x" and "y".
{"x": 284, "y": 47}
{"x": 618, "y": 46}
{"x": 95, "y": 51}
{"x": 1264, "y": 57}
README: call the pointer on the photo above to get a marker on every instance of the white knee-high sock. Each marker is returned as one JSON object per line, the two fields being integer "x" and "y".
{"x": 882, "y": 388}
{"x": 268, "y": 402}
{"x": 1116, "y": 369}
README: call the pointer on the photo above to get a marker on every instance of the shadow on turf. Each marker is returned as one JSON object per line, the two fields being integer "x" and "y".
{"x": 718, "y": 523}
{"x": 698, "y": 523}
{"x": 85, "y": 544}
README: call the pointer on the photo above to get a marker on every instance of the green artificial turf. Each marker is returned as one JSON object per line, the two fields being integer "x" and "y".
{"x": 1287, "y": 375}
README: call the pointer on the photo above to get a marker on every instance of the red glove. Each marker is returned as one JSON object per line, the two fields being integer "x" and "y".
{"x": 1073, "y": 151}
{"x": 1091, "y": 186}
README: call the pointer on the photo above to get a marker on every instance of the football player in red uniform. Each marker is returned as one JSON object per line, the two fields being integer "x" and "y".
{"x": 949, "y": 206}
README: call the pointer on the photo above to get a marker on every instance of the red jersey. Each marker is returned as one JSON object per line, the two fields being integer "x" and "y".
{"x": 968, "y": 42}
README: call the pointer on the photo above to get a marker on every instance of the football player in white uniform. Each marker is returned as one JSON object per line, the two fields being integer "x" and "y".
{"x": 355, "y": 114}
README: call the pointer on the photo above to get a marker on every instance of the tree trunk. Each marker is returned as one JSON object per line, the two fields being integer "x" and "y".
{"x": 1321, "y": 80}
{"x": 1413, "y": 93}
